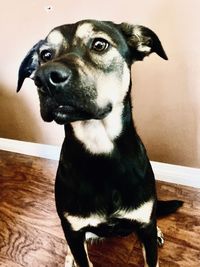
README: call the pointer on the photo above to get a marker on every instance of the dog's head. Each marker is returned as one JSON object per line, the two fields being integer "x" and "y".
{"x": 82, "y": 70}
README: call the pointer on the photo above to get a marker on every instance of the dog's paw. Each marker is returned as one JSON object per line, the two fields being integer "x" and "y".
{"x": 160, "y": 237}
{"x": 69, "y": 261}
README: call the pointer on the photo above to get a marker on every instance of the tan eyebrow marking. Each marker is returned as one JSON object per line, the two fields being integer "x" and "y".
{"x": 86, "y": 31}
{"x": 55, "y": 38}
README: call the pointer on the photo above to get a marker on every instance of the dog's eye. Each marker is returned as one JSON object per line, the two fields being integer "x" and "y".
{"x": 99, "y": 45}
{"x": 46, "y": 55}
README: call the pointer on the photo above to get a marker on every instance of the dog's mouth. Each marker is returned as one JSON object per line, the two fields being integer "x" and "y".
{"x": 62, "y": 113}
{"x": 63, "y": 110}
{"x": 67, "y": 113}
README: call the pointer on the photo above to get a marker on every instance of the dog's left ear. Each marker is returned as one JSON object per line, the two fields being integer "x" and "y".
{"x": 142, "y": 41}
{"x": 28, "y": 65}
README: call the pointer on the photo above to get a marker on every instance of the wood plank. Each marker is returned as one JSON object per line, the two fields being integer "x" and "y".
{"x": 28, "y": 186}
{"x": 111, "y": 251}
{"x": 28, "y": 246}
{"x": 31, "y": 234}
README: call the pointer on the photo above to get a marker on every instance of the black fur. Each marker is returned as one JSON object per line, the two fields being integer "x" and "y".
{"x": 89, "y": 184}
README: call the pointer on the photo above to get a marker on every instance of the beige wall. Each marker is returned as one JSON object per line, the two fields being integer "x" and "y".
{"x": 165, "y": 95}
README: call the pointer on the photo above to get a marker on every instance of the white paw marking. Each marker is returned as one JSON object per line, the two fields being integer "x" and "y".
{"x": 69, "y": 261}
{"x": 160, "y": 237}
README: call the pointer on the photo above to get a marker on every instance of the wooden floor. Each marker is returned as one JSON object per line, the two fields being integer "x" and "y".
{"x": 31, "y": 236}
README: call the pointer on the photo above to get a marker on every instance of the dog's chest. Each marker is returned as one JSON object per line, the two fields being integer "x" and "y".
{"x": 97, "y": 135}
{"x": 141, "y": 214}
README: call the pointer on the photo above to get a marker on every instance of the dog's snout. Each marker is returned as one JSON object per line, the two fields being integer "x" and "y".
{"x": 52, "y": 76}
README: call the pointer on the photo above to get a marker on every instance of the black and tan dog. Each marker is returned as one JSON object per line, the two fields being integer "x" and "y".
{"x": 105, "y": 185}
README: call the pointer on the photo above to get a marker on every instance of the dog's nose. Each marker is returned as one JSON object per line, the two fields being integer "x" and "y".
{"x": 52, "y": 76}
{"x": 59, "y": 76}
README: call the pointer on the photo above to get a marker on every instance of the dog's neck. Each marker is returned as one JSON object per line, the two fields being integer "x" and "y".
{"x": 98, "y": 136}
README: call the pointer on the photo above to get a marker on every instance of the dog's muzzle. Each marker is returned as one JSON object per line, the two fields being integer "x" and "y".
{"x": 63, "y": 97}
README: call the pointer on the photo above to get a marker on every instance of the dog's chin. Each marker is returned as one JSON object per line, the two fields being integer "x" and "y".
{"x": 67, "y": 114}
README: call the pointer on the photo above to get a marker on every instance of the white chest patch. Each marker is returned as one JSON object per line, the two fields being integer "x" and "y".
{"x": 93, "y": 136}
{"x": 78, "y": 222}
{"x": 142, "y": 214}
{"x": 97, "y": 135}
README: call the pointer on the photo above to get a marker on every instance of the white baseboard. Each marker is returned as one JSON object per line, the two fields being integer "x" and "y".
{"x": 163, "y": 172}
{"x": 31, "y": 149}
{"x": 176, "y": 174}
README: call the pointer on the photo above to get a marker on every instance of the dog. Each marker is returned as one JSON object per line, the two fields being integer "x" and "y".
{"x": 104, "y": 185}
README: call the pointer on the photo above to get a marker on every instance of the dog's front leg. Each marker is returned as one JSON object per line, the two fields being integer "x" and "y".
{"x": 148, "y": 237}
{"x": 77, "y": 255}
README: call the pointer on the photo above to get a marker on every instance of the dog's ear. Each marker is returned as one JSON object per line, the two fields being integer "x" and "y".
{"x": 142, "y": 41}
{"x": 28, "y": 65}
